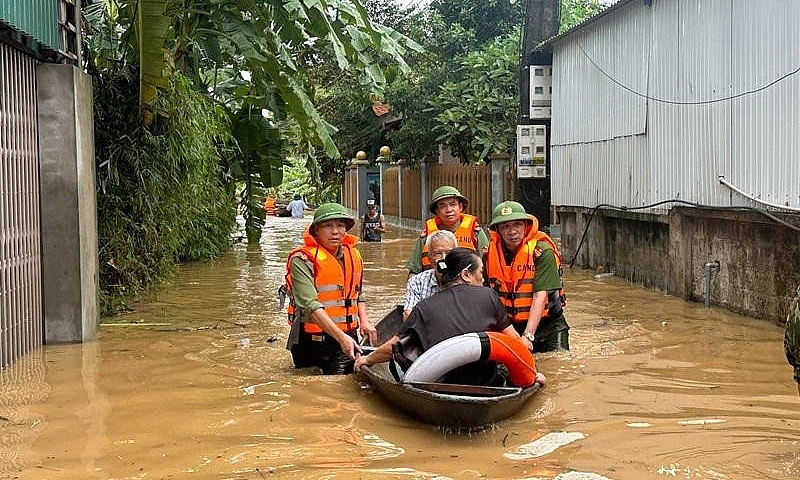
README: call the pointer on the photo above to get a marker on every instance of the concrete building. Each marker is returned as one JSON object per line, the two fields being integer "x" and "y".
{"x": 48, "y": 227}
{"x": 674, "y": 148}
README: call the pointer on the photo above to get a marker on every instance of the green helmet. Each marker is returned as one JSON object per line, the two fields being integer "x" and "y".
{"x": 444, "y": 192}
{"x": 508, "y": 211}
{"x": 332, "y": 211}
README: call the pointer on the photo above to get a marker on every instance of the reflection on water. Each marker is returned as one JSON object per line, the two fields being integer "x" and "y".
{"x": 196, "y": 383}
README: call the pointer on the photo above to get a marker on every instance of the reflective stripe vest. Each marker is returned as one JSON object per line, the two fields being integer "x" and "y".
{"x": 466, "y": 235}
{"x": 514, "y": 283}
{"x": 337, "y": 286}
{"x": 270, "y": 205}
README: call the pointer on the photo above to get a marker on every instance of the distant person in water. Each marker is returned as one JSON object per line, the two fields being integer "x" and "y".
{"x": 296, "y": 206}
{"x": 791, "y": 339}
{"x": 373, "y": 226}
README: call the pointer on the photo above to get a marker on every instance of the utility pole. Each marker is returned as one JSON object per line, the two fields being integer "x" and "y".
{"x": 540, "y": 22}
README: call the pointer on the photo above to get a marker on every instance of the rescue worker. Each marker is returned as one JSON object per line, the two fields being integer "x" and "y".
{"x": 448, "y": 205}
{"x": 324, "y": 285}
{"x": 270, "y": 205}
{"x": 523, "y": 266}
{"x": 791, "y": 339}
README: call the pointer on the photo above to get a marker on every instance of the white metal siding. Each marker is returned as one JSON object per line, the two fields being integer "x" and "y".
{"x": 610, "y": 145}
{"x": 766, "y": 125}
{"x": 591, "y": 107}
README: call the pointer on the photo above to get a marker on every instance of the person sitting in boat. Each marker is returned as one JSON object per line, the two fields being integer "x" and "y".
{"x": 448, "y": 205}
{"x": 524, "y": 266}
{"x": 463, "y": 305}
{"x": 324, "y": 285}
{"x": 425, "y": 284}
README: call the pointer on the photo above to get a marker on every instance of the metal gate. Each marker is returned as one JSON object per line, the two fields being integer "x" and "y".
{"x": 21, "y": 323}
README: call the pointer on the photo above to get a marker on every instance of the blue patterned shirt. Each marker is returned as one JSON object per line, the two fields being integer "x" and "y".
{"x": 420, "y": 286}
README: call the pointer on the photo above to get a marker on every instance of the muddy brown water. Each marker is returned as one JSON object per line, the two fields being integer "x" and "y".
{"x": 196, "y": 383}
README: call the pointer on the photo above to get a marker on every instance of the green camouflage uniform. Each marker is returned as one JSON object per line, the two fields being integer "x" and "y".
{"x": 791, "y": 340}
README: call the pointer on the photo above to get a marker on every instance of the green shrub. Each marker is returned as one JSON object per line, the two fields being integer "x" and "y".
{"x": 161, "y": 195}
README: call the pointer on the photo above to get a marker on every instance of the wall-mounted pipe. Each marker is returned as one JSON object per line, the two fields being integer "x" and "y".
{"x": 728, "y": 184}
{"x": 709, "y": 268}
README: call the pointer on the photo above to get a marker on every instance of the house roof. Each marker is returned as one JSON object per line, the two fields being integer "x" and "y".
{"x": 547, "y": 45}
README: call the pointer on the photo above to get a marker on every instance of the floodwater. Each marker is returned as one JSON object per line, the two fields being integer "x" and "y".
{"x": 195, "y": 383}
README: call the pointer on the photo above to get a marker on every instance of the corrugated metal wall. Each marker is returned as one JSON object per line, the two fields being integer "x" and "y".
{"x": 37, "y": 18}
{"x": 610, "y": 145}
{"x": 21, "y": 322}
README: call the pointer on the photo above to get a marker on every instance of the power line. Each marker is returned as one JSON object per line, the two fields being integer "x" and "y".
{"x": 673, "y": 102}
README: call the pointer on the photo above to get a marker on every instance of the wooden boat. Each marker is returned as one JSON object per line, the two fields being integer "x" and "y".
{"x": 449, "y": 405}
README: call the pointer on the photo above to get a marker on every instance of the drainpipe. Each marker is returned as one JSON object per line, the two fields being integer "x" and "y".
{"x": 709, "y": 268}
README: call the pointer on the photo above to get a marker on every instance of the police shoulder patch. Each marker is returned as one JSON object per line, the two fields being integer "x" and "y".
{"x": 303, "y": 255}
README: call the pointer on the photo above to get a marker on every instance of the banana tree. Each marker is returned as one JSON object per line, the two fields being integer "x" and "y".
{"x": 263, "y": 50}
{"x": 258, "y": 166}
{"x": 141, "y": 43}
{"x": 151, "y": 30}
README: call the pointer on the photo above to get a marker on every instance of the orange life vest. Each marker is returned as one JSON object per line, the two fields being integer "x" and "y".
{"x": 514, "y": 283}
{"x": 337, "y": 287}
{"x": 466, "y": 235}
{"x": 269, "y": 206}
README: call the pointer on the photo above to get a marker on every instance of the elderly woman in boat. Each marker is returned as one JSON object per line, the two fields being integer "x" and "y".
{"x": 462, "y": 305}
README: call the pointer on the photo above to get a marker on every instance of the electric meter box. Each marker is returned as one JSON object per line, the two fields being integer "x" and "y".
{"x": 531, "y": 151}
{"x": 541, "y": 91}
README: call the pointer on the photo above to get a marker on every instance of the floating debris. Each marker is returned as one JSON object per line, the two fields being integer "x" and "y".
{"x": 544, "y": 445}
{"x": 701, "y": 421}
{"x": 638, "y": 424}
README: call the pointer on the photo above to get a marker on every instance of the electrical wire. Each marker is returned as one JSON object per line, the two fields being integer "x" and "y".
{"x": 674, "y": 102}
{"x": 685, "y": 202}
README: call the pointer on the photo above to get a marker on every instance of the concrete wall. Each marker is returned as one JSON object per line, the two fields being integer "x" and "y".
{"x": 758, "y": 257}
{"x": 69, "y": 213}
